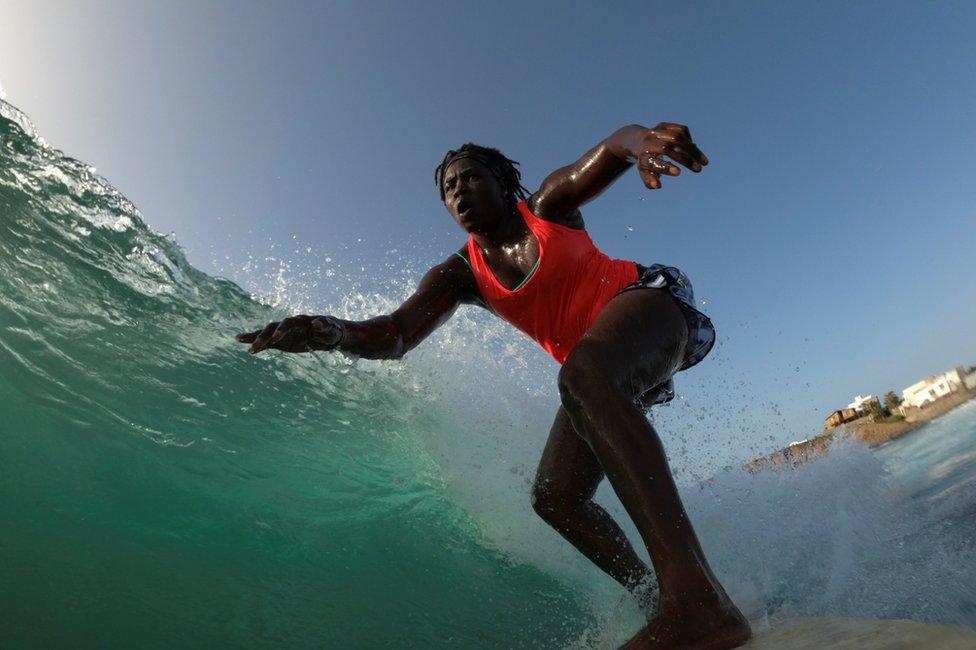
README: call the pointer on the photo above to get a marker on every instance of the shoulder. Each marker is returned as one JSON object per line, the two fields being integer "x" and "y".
{"x": 452, "y": 281}
{"x": 463, "y": 254}
{"x": 457, "y": 270}
{"x": 542, "y": 208}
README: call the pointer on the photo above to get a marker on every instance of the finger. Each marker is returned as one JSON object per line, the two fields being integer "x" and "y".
{"x": 681, "y": 155}
{"x": 680, "y": 129}
{"x": 695, "y": 153}
{"x": 679, "y": 135}
{"x": 686, "y": 144}
{"x": 261, "y": 342}
{"x": 651, "y": 180}
{"x": 658, "y": 165}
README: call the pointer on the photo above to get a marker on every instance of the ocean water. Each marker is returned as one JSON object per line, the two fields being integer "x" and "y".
{"x": 161, "y": 488}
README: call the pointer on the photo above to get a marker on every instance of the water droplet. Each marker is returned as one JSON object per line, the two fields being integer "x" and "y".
{"x": 630, "y": 229}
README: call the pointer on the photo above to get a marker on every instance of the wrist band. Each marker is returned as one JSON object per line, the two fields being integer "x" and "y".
{"x": 341, "y": 327}
{"x": 335, "y": 322}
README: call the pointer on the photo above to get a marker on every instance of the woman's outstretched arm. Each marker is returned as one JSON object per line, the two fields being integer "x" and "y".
{"x": 391, "y": 336}
{"x": 566, "y": 189}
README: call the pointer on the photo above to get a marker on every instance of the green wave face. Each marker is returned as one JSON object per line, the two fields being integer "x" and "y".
{"x": 160, "y": 487}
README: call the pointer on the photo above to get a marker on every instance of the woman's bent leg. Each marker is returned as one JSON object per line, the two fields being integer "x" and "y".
{"x": 636, "y": 343}
{"x": 568, "y": 477}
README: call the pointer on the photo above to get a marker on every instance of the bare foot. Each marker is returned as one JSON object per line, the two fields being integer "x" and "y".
{"x": 693, "y": 628}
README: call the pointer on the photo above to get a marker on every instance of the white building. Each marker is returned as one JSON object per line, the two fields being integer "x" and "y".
{"x": 932, "y": 388}
{"x": 862, "y": 404}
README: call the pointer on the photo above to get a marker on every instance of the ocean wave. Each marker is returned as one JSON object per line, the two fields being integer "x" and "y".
{"x": 155, "y": 473}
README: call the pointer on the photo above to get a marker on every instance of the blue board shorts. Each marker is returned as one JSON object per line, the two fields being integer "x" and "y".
{"x": 701, "y": 332}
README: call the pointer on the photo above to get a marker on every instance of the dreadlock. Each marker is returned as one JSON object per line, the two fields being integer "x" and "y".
{"x": 503, "y": 168}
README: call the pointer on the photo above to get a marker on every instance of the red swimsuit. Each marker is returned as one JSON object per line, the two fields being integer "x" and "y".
{"x": 561, "y": 297}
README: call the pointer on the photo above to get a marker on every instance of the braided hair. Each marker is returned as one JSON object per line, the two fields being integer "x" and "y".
{"x": 502, "y": 168}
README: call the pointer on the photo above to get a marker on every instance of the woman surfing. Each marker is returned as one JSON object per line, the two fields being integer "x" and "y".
{"x": 620, "y": 331}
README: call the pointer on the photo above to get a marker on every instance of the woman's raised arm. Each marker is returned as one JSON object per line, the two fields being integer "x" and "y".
{"x": 569, "y": 187}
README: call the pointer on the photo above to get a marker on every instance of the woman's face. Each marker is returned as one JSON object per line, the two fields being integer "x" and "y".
{"x": 473, "y": 195}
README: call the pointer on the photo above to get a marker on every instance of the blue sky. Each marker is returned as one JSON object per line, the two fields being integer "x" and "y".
{"x": 832, "y": 236}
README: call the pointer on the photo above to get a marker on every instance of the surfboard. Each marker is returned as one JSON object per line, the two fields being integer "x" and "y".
{"x": 860, "y": 634}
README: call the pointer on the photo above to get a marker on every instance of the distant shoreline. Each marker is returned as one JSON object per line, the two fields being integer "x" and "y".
{"x": 874, "y": 434}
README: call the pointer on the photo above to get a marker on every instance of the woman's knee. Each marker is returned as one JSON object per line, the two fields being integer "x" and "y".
{"x": 542, "y": 501}
{"x": 554, "y": 507}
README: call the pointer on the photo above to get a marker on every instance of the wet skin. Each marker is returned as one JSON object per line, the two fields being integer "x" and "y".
{"x": 600, "y": 430}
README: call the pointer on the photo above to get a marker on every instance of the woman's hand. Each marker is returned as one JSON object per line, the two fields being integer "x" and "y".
{"x": 296, "y": 334}
{"x": 673, "y": 141}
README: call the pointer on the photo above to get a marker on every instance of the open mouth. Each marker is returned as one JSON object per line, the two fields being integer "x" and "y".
{"x": 462, "y": 207}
